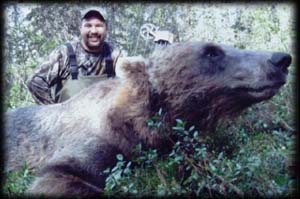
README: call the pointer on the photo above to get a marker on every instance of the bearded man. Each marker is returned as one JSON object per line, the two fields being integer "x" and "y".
{"x": 75, "y": 65}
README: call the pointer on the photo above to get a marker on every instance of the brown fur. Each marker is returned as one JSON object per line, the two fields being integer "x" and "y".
{"x": 71, "y": 143}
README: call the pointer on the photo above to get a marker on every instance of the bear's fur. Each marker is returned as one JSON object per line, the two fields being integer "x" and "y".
{"x": 71, "y": 143}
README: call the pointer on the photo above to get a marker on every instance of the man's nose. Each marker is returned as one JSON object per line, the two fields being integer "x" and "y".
{"x": 93, "y": 29}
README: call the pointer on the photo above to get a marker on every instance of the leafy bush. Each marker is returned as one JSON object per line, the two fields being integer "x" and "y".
{"x": 240, "y": 161}
{"x": 16, "y": 183}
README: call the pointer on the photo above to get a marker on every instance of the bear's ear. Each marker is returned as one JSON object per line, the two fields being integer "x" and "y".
{"x": 128, "y": 66}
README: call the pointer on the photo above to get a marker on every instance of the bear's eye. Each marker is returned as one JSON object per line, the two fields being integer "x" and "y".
{"x": 213, "y": 52}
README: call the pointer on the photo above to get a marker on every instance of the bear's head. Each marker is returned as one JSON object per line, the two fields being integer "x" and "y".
{"x": 204, "y": 82}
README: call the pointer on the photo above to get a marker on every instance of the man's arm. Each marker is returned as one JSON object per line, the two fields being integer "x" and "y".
{"x": 43, "y": 82}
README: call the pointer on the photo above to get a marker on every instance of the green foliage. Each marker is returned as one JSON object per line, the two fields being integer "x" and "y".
{"x": 18, "y": 94}
{"x": 155, "y": 121}
{"x": 25, "y": 46}
{"x": 252, "y": 164}
{"x": 121, "y": 175}
{"x": 16, "y": 183}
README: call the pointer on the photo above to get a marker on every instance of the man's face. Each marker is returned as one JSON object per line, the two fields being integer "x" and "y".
{"x": 93, "y": 32}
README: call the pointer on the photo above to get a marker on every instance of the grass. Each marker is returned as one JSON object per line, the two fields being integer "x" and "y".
{"x": 16, "y": 183}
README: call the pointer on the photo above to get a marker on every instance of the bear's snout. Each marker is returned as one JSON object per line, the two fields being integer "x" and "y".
{"x": 281, "y": 60}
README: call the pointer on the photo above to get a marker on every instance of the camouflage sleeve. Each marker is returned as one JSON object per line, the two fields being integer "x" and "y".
{"x": 43, "y": 82}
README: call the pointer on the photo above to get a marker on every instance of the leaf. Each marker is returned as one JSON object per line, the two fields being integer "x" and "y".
{"x": 127, "y": 171}
{"x": 150, "y": 123}
{"x": 106, "y": 170}
{"x": 128, "y": 164}
{"x": 178, "y": 158}
{"x": 179, "y": 123}
{"x": 281, "y": 180}
{"x": 160, "y": 112}
{"x": 196, "y": 134}
{"x": 213, "y": 168}
{"x": 220, "y": 156}
{"x": 117, "y": 176}
{"x": 191, "y": 128}
{"x": 114, "y": 169}
{"x": 176, "y": 128}
{"x": 120, "y": 157}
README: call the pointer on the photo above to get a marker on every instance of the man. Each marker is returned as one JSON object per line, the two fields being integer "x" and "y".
{"x": 75, "y": 65}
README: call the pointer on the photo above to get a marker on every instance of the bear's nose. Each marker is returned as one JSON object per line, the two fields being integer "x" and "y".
{"x": 281, "y": 60}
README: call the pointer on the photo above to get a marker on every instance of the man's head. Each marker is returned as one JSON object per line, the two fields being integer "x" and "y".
{"x": 93, "y": 30}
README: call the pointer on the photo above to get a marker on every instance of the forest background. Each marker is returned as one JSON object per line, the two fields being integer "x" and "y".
{"x": 253, "y": 155}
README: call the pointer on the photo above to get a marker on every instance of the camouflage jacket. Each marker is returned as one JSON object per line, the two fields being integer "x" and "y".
{"x": 55, "y": 70}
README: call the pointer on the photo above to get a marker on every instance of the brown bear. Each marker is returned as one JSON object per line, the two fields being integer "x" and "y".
{"x": 71, "y": 143}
